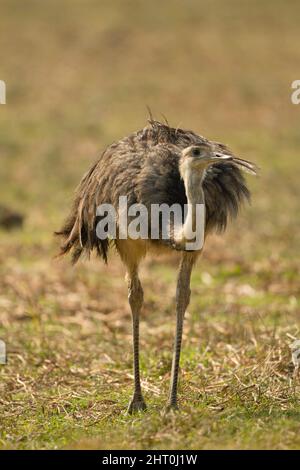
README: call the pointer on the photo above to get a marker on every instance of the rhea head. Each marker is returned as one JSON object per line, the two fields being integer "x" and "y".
{"x": 202, "y": 155}
{"x": 197, "y": 158}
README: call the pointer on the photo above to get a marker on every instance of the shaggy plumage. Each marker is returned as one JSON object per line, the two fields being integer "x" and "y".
{"x": 157, "y": 165}
{"x": 145, "y": 167}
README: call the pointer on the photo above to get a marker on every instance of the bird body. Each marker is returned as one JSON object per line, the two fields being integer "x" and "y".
{"x": 145, "y": 167}
{"x": 154, "y": 166}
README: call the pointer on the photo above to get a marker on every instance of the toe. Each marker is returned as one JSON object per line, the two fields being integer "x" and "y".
{"x": 136, "y": 405}
{"x": 171, "y": 408}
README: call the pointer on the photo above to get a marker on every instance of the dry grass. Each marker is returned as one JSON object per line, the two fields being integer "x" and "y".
{"x": 77, "y": 78}
{"x": 69, "y": 374}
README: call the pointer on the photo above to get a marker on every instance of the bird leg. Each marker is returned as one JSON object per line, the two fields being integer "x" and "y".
{"x": 135, "y": 297}
{"x": 182, "y": 301}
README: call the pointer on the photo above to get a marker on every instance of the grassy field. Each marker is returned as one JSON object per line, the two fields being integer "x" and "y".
{"x": 79, "y": 75}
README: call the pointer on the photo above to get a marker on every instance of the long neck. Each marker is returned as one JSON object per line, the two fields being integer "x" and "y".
{"x": 193, "y": 180}
{"x": 193, "y": 186}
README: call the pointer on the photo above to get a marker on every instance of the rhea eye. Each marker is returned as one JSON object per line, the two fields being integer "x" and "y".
{"x": 196, "y": 152}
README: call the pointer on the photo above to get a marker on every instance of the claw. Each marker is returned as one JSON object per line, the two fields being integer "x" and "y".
{"x": 171, "y": 408}
{"x": 136, "y": 405}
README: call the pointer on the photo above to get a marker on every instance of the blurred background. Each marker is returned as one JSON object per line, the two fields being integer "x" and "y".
{"x": 79, "y": 75}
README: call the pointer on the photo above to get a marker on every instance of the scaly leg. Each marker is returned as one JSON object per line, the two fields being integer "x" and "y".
{"x": 135, "y": 297}
{"x": 182, "y": 301}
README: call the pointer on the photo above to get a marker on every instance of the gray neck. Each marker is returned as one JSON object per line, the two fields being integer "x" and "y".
{"x": 193, "y": 183}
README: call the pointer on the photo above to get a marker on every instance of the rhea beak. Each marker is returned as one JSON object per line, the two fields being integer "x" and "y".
{"x": 221, "y": 156}
{"x": 217, "y": 158}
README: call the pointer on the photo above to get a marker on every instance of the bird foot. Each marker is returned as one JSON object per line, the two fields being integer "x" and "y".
{"x": 171, "y": 408}
{"x": 136, "y": 404}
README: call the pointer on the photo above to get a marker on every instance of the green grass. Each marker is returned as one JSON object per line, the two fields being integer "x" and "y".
{"x": 78, "y": 77}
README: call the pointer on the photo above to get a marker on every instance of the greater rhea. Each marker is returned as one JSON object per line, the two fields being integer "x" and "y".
{"x": 156, "y": 165}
